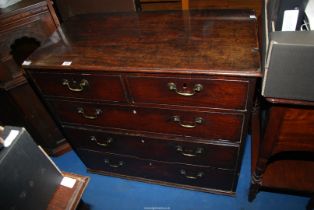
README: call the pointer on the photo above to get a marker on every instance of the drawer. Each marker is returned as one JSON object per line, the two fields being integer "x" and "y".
{"x": 214, "y": 93}
{"x": 221, "y": 156}
{"x": 208, "y": 125}
{"x": 82, "y": 86}
{"x": 205, "y": 177}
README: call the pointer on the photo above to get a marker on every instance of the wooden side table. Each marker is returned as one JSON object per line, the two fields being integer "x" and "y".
{"x": 69, "y": 198}
{"x": 283, "y": 149}
{"x": 24, "y": 26}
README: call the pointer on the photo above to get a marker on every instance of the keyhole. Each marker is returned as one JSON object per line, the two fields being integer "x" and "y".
{"x": 184, "y": 86}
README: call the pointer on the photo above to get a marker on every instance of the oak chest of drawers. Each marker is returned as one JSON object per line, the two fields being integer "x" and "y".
{"x": 163, "y": 97}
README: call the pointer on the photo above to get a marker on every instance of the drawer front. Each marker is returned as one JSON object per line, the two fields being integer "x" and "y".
{"x": 220, "y": 156}
{"x": 205, "y": 177}
{"x": 208, "y": 125}
{"x": 81, "y": 86}
{"x": 214, "y": 93}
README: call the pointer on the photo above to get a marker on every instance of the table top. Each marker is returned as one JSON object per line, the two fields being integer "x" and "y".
{"x": 68, "y": 198}
{"x": 222, "y": 42}
{"x": 281, "y": 101}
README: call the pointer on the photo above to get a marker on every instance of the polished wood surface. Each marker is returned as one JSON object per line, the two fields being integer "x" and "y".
{"x": 206, "y": 42}
{"x": 66, "y": 198}
{"x": 150, "y": 96}
{"x": 24, "y": 26}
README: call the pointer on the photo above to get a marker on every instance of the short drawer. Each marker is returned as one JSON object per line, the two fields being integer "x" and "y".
{"x": 205, "y": 177}
{"x": 82, "y": 86}
{"x": 208, "y": 125}
{"x": 215, "y": 155}
{"x": 214, "y": 93}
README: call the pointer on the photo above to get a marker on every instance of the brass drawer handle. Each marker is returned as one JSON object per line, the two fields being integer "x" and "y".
{"x": 106, "y": 144}
{"x": 81, "y": 111}
{"x": 119, "y": 164}
{"x": 190, "y": 153}
{"x": 198, "y": 120}
{"x": 80, "y": 88}
{"x": 197, "y": 176}
{"x": 196, "y": 89}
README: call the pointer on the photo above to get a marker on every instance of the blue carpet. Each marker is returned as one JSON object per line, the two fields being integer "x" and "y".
{"x": 109, "y": 193}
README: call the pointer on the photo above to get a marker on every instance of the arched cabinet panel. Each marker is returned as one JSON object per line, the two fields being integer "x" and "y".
{"x": 24, "y": 27}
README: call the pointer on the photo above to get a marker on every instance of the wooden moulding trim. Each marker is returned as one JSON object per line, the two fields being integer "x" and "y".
{"x": 289, "y": 101}
{"x": 248, "y": 73}
{"x": 53, "y": 14}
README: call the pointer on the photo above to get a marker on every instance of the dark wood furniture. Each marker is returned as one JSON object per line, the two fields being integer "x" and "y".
{"x": 69, "y": 8}
{"x": 255, "y": 5}
{"x": 162, "y": 97}
{"x": 66, "y": 198}
{"x": 283, "y": 151}
{"x": 24, "y": 26}
{"x": 147, "y": 5}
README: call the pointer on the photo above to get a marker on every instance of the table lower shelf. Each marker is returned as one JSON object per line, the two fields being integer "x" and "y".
{"x": 290, "y": 174}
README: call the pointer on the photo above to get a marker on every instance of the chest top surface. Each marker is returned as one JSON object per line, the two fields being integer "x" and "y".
{"x": 222, "y": 42}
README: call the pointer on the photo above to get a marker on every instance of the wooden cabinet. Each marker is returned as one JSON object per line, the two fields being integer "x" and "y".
{"x": 150, "y": 96}
{"x": 24, "y": 27}
{"x": 283, "y": 150}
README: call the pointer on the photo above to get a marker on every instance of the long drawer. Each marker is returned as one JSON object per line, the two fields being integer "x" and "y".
{"x": 202, "y": 92}
{"x": 95, "y": 87}
{"x": 215, "y": 155}
{"x": 204, "y": 177}
{"x": 208, "y": 125}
